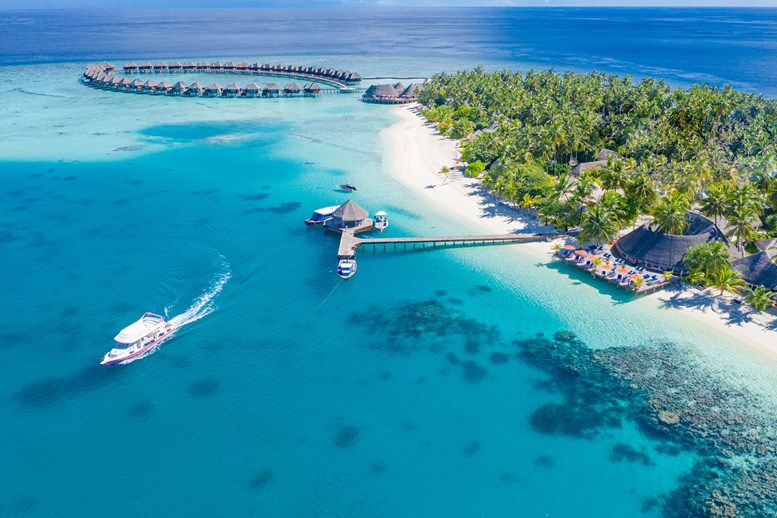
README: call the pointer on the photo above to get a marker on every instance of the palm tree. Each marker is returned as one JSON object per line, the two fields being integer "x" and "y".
{"x": 715, "y": 204}
{"x": 598, "y": 225}
{"x": 741, "y": 225}
{"x": 728, "y": 280}
{"x": 670, "y": 214}
{"x": 760, "y": 298}
{"x": 642, "y": 191}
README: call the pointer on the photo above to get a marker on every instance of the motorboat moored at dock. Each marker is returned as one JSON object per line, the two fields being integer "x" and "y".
{"x": 380, "y": 221}
{"x": 346, "y": 268}
{"x": 321, "y": 216}
{"x": 139, "y": 337}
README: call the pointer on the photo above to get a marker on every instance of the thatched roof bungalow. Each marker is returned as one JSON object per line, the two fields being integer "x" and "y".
{"x": 665, "y": 252}
{"x": 175, "y": 66}
{"x": 115, "y": 82}
{"x": 291, "y": 89}
{"x": 271, "y": 90}
{"x": 213, "y": 90}
{"x": 252, "y": 90}
{"x": 757, "y": 270}
{"x": 149, "y": 86}
{"x": 189, "y": 65}
{"x": 202, "y": 65}
{"x": 195, "y": 89}
{"x": 145, "y": 67}
{"x": 165, "y": 86}
{"x": 160, "y": 66}
{"x": 130, "y": 68}
{"x": 125, "y": 83}
{"x": 232, "y": 90}
{"x": 137, "y": 84}
{"x": 312, "y": 89}
{"x": 179, "y": 88}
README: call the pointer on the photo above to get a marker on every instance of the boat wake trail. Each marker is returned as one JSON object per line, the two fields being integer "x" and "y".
{"x": 200, "y": 307}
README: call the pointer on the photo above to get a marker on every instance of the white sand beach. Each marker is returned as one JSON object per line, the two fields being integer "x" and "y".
{"x": 416, "y": 152}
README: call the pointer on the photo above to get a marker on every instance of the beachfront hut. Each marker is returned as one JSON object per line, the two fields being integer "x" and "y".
{"x": 137, "y": 85}
{"x": 252, "y": 90}
{"x": 195, "y": 89}
{"x": 149, "y": 86}
{"x": 189, "y": 66}
{"x": 164, "y": 87}
{"x": 601, "y": 160}
{"x": 145, "y": 67}
{"x": 130, "y": 68}
{"x": 232, "y": 90}
{"x": 213, "y": 90}
{"x": 291, "y": 89}
{"x": 312, "y": 89}
{"x": 179, "y": 88}
{"x": 411, "y": 92}
{"x": 665, "y": 252}
{"x": 271, "y": 90}
{"x": 348, "y": 215}
{"x": 757, "y": 270}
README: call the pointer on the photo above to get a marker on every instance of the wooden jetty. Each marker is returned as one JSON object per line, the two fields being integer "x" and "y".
{"x": 349, "y": 242}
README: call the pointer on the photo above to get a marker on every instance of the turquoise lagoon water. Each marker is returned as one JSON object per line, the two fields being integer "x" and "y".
{"x": 413, "y": 389}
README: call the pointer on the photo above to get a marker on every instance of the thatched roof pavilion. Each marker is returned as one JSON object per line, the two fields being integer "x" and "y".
{"x": 160, "y": 65}
{"x": 137, "y": 83}
{"x": 213, "y": 89}
{"x": 180, "y": 87}
{"x": 202, "y": 65}
{"x": 165, "y": 85}
{"x": 411, "y": 91}
{"x": 291, "y": 88}
{"x": 125, "y": 83}
{"x": 757, "y": 270}
{"x": 666, "y": 251}
{"x": 189, "y": 65}
{"x": 145, "y": 66}
{"x": 130, "y": 67}
{"x": 175, "y": 65}
{"x": 349, "y": 214}
{"x": 312, "y": 89}
{"x": 384, "y": 90}
{"x": 271, "y": 89}
{"x": 149, "y": 85}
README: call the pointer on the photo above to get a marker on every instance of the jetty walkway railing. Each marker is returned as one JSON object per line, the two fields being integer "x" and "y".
{"x": 349, "y": 243}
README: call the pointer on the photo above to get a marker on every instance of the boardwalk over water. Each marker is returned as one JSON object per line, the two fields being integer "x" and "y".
{"x": 349, "y": 242}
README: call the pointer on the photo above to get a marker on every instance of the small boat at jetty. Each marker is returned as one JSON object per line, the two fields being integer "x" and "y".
{"x": 348, "y": 188}
{"x": 380, "y": 221}
{"x": 346, "y": 268}
{"x": 142, "y": 336}
{"x": 321, "y": 216}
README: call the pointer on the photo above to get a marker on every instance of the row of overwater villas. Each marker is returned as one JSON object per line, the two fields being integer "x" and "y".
{"x": 343, "y": 76}
{"x": 199, "y": 90}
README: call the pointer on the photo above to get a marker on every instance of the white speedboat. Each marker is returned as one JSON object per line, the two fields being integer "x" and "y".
{"x": 321, "y": 215}
{"x": 346, "y": 268}
{"x": 138, "y": 338}
{"x": 381, "y": 220}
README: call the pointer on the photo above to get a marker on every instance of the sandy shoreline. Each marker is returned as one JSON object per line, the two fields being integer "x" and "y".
{"x": 415, "y": 153}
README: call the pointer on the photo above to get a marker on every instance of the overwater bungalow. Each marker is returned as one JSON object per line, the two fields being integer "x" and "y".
{"x": 665, "y": 252}
{"x": 203, "y": 66}
{"x": 195, "y": 89}
{"x": 137, "y": 85}
{"x": 125, "y": 84}
{"x": 109, "y": 68}
{"x": 216, "y": 66}
{"x": 241, "y": 67}
{"x": 145, "y": 67}
{"x": 353, "y": 78}
{"x": 160, "y": 66}
{"x": 149, "y": 86}
{"x": 348, "y": 215}
{"x": 179, "y": 88}
{"x": 130, "y": 68}
{"x": 253, "y": 67}
{"x": 175, "y": 66}
{"x": 189, "y": 66}
{"x": 213, "y": 90}
{"x": 271, "y": 90}
{"x": 164, "y": 87}
{"x": 291, "y": 89}
{"x": 312, "y": 89}
{"x": 232, "y": 90}
{"x": 252, "y": 90}
{"x": 411, "y": 92}
{"x": 115, "y": 82}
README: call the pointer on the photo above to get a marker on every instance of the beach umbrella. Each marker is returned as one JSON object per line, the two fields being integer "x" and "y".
{"x": 623, "y": 269}
{"x": 607, "y": 267}
{"x": 569, "y": 247}
{"x": 580, "y": 252}
{"x": 591, "y": 256}
{"x": 636, "y": 276}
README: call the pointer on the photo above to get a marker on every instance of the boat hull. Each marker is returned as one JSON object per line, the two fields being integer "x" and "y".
{"x": 135, "y": 354}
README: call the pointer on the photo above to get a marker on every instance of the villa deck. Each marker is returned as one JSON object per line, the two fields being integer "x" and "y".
{"x": 600, "y": 263}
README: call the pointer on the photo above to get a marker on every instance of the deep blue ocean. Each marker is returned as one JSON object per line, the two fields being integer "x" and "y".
{"x": 477, "y": 382}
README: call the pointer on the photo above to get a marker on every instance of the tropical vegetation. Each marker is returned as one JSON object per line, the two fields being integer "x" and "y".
{"x": 661, "y": 150}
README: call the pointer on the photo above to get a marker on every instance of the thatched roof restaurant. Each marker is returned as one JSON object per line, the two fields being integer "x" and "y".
{"x": 757, "y": 270}
{"x": 348, "y": 215}
{"x": 392, "y": 94}
{"x": 665, "y": 252}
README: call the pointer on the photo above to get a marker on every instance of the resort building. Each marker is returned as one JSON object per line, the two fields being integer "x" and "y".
{"x": 665, "y": 252}
{"x": 391, "y": 94}
{"x": 348, "y": 215}
{"x": 601, "y": 160}
{"x": 758, "y": 269}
